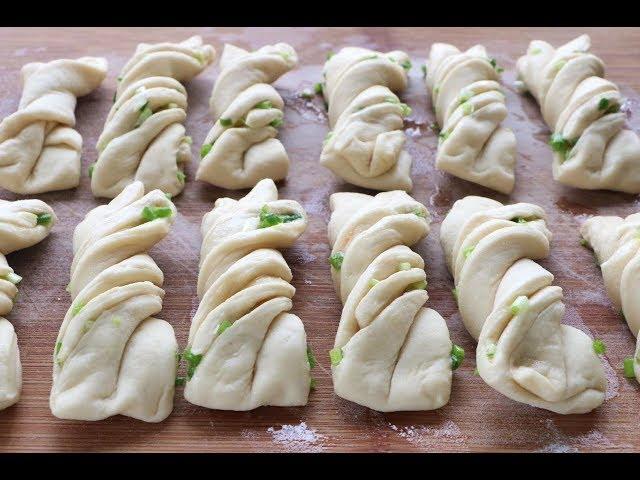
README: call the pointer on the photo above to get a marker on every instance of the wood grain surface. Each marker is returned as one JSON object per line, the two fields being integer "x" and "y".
{"x": 477, "y": 418}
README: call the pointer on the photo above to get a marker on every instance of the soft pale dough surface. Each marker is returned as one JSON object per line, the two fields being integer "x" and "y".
{"x": 144, "y": 137}
{"x": 18, "y": 229}
{"x": 529, "y": 356}
{"x": 616, "y": 244}
{"x": 569, "y": 85}
{"x": 39, "y": 148}
{"x": 111, "y": 356}
{"x": 245, "y": 150}
{"x": 261, "y": 357}
{"x": 470, "y": 106}
{"x": 366, "y": 144}
{"x": 396, "y": 353}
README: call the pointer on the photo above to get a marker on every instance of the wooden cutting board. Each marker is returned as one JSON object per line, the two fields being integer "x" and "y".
{"x": 477, "y": 418}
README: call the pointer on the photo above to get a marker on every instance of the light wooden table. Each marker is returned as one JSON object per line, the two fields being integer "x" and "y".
{"x": 477, "y": 417}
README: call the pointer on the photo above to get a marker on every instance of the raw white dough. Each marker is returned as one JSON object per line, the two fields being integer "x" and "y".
{"x": 366, "y": 144}
{"x": 529, "y": 356}
{"x": 246, "y": 151}
{"x": 155, "y": 151}
{"x": 39, "y": 148}
{"x": 569, "y": 86}
{"x": 396, "y": 353}
{"x": 470, "y": 106}
{"x": 18, "y": 229}
{"x": 111, "y": 356}
{"x": 261, "y": 358}
{"x": 616, "y": 244}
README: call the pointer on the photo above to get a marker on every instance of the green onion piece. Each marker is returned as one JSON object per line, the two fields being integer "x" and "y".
{"x": 406, "y": 65}
{"x": 328, "y": 136}
{"x": 336, "y": 260}
{"x": 206, "y": 148}
{"x": 306, "y": 93}
{"x": 222, "y": 326}
{"x": 491, "y": 350}
{"x": 406, "y": 109}
{"x": 370, "y": 57}
{"x": 457, "y": 356}
{"x": 493, "y": 62}
{"x": 226, "y": 122}
{"x": 560, "y": 144}
{"x": 468, "y": 251}
{"x": 181, "y": 176}
{"x": 613, "y": 108}
{"x": 424, "y": 71}
{"x": 145, "y": 113}
{"x": 468, "y": 108}
{"x": 499, "y": 69}
{"x": 91, "y": 169}
{"x": 603, "y": 104}
{"x": 435, "y": 127}
{"x": 58, "y": 347}
{"x": 284, "y": 55}
{"x": 419, "y": 213}
{"x": 519, "y": 220}
{"x": 311, "y": 358}
{"x": 535, "y": 51}
{"x": 117, "y": 321}
{"x": 192, "y": 362}
{"x": 153, "y": 213}
{"x": 198, "y": 56}
{"x": 558, "y": 66}
{"x": 268, "y": 219}
{"x": 114, "y": 96}
{"x": 373, "y": 282}
{"x": 421, "y": 285}
{"x": 77, "y": 308}
{"x": 520, "y": 304}
{"x": 442, "y": 136}
{"x": 436, "y": 89}
{"x": 264, "y": 105}
{"x": 43, "y": 219}
{"x": 277, "y": 123}
{"x": 585, "y": 243}
{"x": 465, "y": 96}
{"x": 13, "y": 278}
{"x": 330, "y": 54}
{"x": 599, "y": 347}
{"x": 629, "y": 371}
{"x": 119, "y": 79}
{"x": 336, "y": 356}
{"x": 454, "y": 291}
{"x": 475, "y": 371}
{"x": 187, "y": 139}
{"x": 404, "y": 266}
{"x": 318, "y": 87}
{"x": 312, "y": 383}
{"x": 181, "y": 381}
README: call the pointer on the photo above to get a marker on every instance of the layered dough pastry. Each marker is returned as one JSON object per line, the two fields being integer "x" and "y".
{"x": 144, "y": 137}
{"x": 592, "y": 147}
{"x": 470, "y": 106}
{"x": 241, "y": 149}
{"x": 616, "y": 244}
{"x": 111, "y": 355}
{"x": 366, "y": 144}
{"x": 245, "y": 350}
{"x": 39, "y": 148}
{"x": 509, "y": 305}
{"x": 390, "y": 352}
{"x": 23, "y": 223}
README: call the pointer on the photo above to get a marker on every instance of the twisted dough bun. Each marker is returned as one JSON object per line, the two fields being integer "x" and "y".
{"x": 394, "y": 353}
{"x": 23, "y": 223}
{"x": 592, "y": 147}
{"x": 244, "y": 349}
{"x": 241, "y": 148}
{"x": 39, "y": 148}
{"x": 507, "y": 303}
{"x": 616, "y": 244}
{"x": 143, "y": 137}
{"x": 111, "y": 356}
{"x": 366, "y": 144}
{"x": 470, "y": 106}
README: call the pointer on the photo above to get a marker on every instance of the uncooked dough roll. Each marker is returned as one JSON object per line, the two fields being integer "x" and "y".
{"x": 390, "y": 352}
{"x": 111, "y": 356}
{"x": 470, "y": 106}
{"x": 144, "y": 137}
{"x": 509, "y": 305}
{"x": 245, "y": 350}
{"x": 366, "y": 144}
{"x": 241, "y": 148}
{"x": 616, "y": 244}
{"x": 592, "y": 147}
{"x": 23, "y": 223}
{"x": 39, "y": 148}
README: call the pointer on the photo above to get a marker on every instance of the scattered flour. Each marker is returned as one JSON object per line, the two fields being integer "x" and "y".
{"x": 558, "y": 442}
{"x": 428, "y": 436}
{"x": 297, "y": 438}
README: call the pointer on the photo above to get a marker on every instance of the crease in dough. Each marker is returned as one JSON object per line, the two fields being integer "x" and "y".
{"x": 391, "y": 353}
{"x": 144, "y": 137}
{"x": 241, "y": 148}
{"x": 245, "y": 350}
{"x": 509, "y": 304}
{"x": 616, "y": 244}
{"x": 39, "y": 147}
{"x": 23, "y": 223}
{"x": 469, "y": 104}
{"x": 112, "y": 356}
{"x": 592, "y": 146}
{"x": 366, "y": 144}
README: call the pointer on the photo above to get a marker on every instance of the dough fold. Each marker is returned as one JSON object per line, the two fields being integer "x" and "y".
{"x": 111, "y": 355}
{"x": 469, "y": 105}
{"x": 241, "y": 148}
{"x": 592, "y": 147}
{"x": 366, "y": 144}
{"x": 144, "y": 137}
{"x": 390, "y": 352}
{"x": 616, "y": 244}
{"x": 245, "y": 350}
{"x": 509, "y": 305}
{"x": 39, "y": 148}
{"x": 23, "y": 223}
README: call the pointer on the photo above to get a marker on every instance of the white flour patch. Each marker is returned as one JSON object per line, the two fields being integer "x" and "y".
{"x": 249, "y": 434}
{"x": 613, "y": 384}
{"x": 558, "y": 442}
{"x": 297, "y": 438}
{"x": 426, "y": 436}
